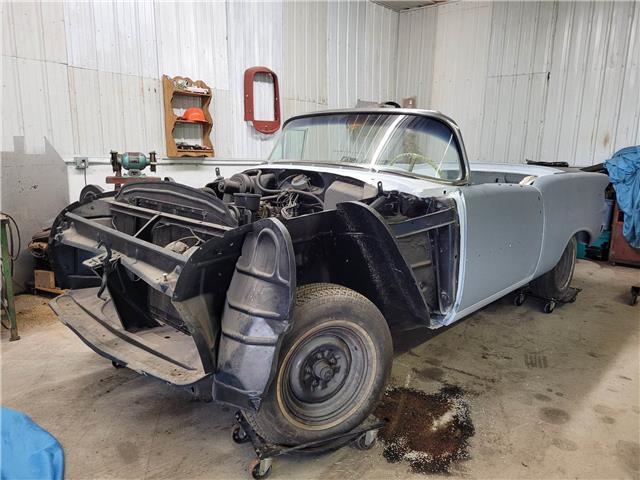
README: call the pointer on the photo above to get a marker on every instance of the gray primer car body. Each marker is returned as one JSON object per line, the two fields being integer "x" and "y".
{"x": 509, "y": 233}
{"x": 212, "y": 317}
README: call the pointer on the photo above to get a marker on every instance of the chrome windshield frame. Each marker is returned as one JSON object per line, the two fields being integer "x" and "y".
{"x": 432, "y": 114}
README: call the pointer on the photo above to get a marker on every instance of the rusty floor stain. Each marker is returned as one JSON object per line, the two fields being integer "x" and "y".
{"x": 428, "y": 431}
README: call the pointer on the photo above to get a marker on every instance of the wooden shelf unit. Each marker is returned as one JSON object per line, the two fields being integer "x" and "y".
{"x": 171, "y": 94}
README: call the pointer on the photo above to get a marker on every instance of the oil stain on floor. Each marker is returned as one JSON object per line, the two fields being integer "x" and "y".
{"x": 428, "y": 431}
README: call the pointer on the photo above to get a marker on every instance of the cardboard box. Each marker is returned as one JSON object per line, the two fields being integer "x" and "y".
{"x": 44, "y": 279}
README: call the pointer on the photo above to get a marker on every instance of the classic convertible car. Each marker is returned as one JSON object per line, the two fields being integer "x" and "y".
{"x": 277, "y": 290}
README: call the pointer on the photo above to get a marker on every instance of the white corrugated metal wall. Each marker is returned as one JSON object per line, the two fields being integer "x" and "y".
{"x": 525, "y": 80}
{"x": 305, "y": 62}
{"x": 88, "y": 75}
{"x": 362, "y": 51}
{"x": 337, "y": 53}
{"x": 552, "y": 81}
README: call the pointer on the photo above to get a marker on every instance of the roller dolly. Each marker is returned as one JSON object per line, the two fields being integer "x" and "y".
{"x": 550, "y": 302}
{"x": 362, "y": 437}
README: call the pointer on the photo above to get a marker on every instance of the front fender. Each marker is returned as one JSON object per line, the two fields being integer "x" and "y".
{"x": 256, "y": 315}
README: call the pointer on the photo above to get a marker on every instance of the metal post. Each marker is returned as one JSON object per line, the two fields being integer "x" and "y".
{"x": 6, "y": 278}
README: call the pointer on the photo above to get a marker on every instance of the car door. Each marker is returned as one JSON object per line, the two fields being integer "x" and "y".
{"x": 501, "y": 238}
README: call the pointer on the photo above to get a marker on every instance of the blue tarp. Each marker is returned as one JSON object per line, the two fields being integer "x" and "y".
{"x": 624, "y": 172}
{"x": 28, "y": 451}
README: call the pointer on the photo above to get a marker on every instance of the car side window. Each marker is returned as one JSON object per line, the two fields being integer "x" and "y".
{"x": 423, "y": 146}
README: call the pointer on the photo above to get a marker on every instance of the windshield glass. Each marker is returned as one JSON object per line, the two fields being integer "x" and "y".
{"x": 403, "y": 143}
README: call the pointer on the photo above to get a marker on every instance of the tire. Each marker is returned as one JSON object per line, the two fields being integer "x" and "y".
{"x": 90, "y": 192}
{"x": 333, "y": 367}
{"x": 556, "y": 282}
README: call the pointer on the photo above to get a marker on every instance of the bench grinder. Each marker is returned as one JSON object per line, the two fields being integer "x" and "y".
{"x": 133, "y": 163}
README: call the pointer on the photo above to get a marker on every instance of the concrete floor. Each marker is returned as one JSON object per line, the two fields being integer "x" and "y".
{"x": 552, "y": 396}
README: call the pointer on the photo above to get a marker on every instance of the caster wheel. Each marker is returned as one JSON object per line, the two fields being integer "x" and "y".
{"x": 239, "y": 435}
{"x": 549, "y": 306}
{"x": 519, "y": 299}
{"x": 634, "y": 296}
{"x": 260, "y": 468}
{"x": 365, "y": 443}
{"x": 117, "y": 364}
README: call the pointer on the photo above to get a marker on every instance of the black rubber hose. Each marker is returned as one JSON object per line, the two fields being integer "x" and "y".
{"x": 13, "y": 255}
{"x": 378, "y": 202}
{"x": 263, "y": 188}
{"x": 308, "y": 194}
{"x": 299, "y": 192}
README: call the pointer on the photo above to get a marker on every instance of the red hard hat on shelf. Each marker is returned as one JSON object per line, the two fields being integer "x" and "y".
{"x": 193, "y": 114}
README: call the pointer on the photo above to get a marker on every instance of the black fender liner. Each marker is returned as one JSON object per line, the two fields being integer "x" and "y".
{"x": 353, "y": 246}
{"x": 382, "y": 275}
{"x": 256, "y": 315}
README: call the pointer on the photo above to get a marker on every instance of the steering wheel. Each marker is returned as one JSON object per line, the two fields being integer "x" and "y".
{"x": 416, "y": 158}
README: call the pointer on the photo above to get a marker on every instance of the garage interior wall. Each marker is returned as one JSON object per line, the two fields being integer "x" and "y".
{"x": 87, "y": 76}
{"x": 550, "y": 81}
{"x": 82, "y": 78}
{"x": 525, "y": 80}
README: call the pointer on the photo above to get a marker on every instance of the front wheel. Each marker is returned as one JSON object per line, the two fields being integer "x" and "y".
{"x": 333, "y": 367}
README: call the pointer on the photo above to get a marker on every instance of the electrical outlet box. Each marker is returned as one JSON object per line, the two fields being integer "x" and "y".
{"x": 81, "y": 162}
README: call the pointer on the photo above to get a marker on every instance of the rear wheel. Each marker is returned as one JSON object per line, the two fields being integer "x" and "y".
{"x": 334, "y": 365}
{"x": 556, "y": 282}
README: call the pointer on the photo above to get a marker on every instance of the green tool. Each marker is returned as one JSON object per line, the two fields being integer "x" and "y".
{"x": 133, "y": 163}
{"x": 7, "y": 281}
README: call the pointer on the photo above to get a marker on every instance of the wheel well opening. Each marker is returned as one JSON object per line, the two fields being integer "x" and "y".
{"x": 365, "y": 263}
{"x": 402, "y": 255}
{"x": 583, "y": 237}
{"x": 346, "y": 265}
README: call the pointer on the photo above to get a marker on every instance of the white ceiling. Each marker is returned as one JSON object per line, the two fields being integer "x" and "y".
{"x": 398, "y": 5}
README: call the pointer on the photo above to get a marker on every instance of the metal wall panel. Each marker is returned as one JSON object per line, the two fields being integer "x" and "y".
{"x": 460, "y": 66}
{"x": 82, "y": 34}
{"x": 518, "y": 63}
{"x": 258, "y": 43}
{"x": 8, "y": 33}
{"x": 362, "y": 53}
{"x": 551, "y": 81}
{"x": 96, "y": 67}
{"x": 628, "y": 126}
{"x": 12, "y": 125}
{"x": 190, "y": 39}
{"x": 35, "y": 90}
{"x": 416, "y": 49}
{"x": 304, "y": 86}
{"x": 57, "y": 109}
{"x": 525, "y": 80}
{"x": 593, "y": 54}
{"x": 86, "y": 112}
